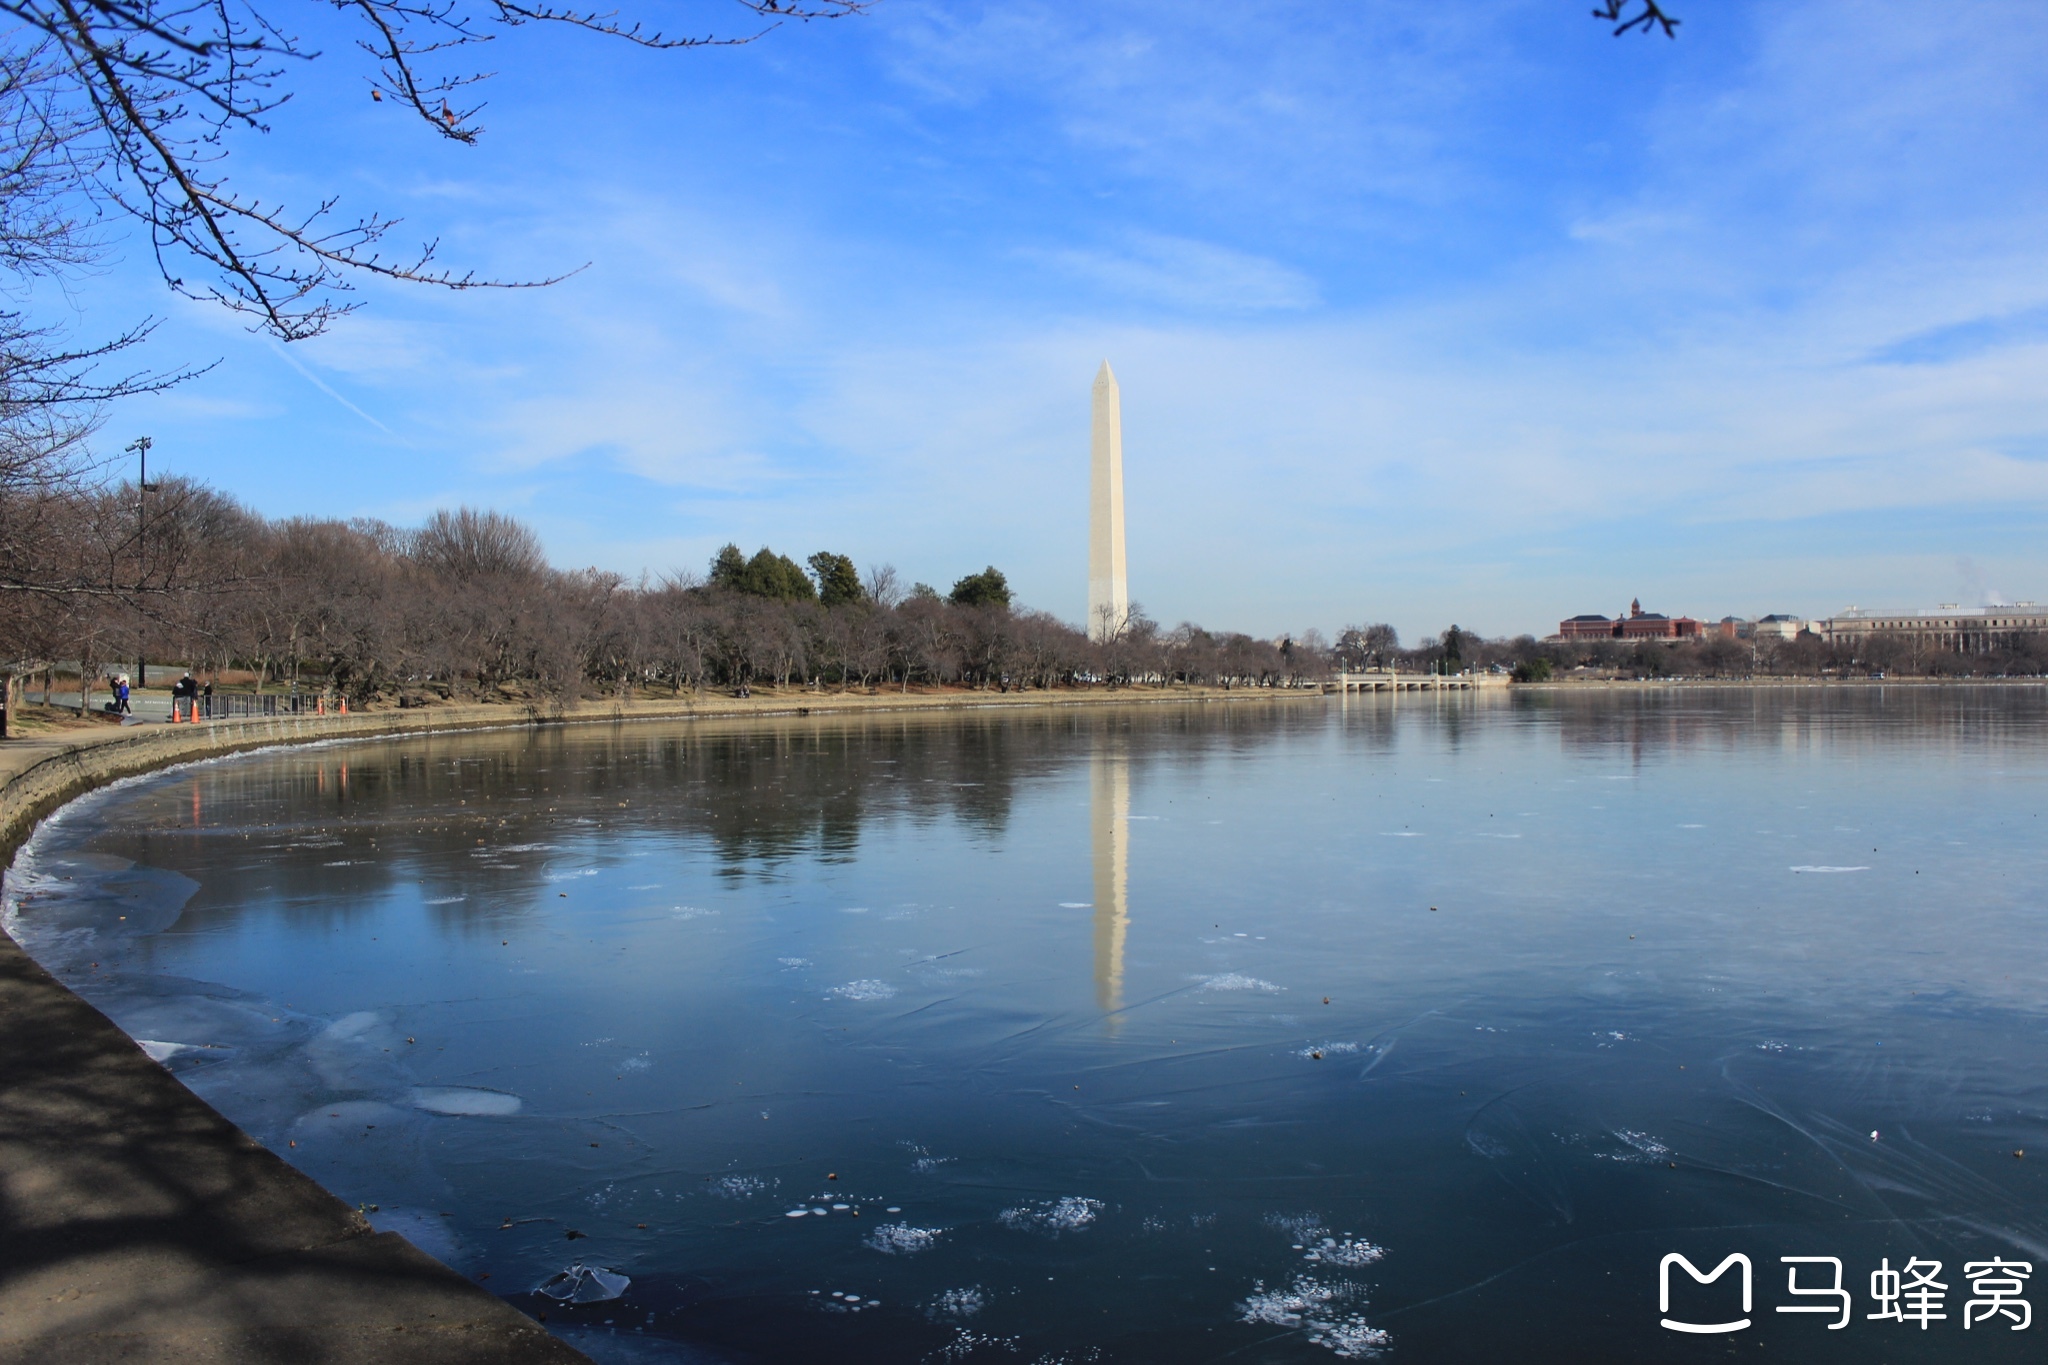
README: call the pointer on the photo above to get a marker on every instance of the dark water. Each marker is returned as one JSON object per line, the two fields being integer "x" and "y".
{"x": 1163, "y": 1034}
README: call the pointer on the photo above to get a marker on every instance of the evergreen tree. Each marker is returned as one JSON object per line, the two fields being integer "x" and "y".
{"x": 1454, "y": 649}
{"x": 728, "y": 568}
{"x": 985, "y": 589}
{"x": 769, "y": 574}
{"x": 838, "y": 580}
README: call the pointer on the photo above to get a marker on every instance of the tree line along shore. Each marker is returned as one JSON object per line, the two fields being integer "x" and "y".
{"x": 465, "y": 607}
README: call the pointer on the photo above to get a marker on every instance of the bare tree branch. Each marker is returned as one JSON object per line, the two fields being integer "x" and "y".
{"x": 1651, "y": 16}
{"x": 161, "y": 87}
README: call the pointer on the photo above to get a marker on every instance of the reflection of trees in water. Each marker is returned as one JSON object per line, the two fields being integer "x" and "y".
{"x": 1645, "y": 722}
{"x": 766, "y": 797}
{"x": 488, "y": 818}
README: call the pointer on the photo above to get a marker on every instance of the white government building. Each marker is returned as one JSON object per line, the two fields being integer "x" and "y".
{"x": 1964, "y": 630}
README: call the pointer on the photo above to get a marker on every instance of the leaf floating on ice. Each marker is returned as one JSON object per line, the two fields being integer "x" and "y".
{"x": 585, "y": 1284}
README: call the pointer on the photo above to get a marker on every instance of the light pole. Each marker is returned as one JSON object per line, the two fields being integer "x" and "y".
{"x": 143, "y": 488}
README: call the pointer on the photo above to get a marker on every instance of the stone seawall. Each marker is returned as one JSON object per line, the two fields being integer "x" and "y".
{"x": 72, "y": 770}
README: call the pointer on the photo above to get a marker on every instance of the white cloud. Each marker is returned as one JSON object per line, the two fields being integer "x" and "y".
{"x": 1179, "y": 273}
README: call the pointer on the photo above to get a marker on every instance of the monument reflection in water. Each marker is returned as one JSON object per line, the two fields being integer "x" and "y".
{"x": 1254, "y": 1033}
{"x": 1109, "y": 820}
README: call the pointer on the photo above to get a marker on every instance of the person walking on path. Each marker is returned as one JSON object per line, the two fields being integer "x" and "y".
{"x": 121, "y": 696}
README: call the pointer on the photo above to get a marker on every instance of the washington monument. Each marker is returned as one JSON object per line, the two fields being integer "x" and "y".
{"x": 1109, "y": 596}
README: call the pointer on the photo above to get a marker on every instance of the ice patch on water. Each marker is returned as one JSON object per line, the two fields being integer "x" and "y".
{"x": 352, "y": 1028}
{"x": 853, "y": 909}
{"x": 463, "y": 1100}
{"x": 901, "y": 1239}
{"x": 690, "y": 912}
{"x": 966, "y": 1343}
{"x": 570, "y": 875}
{"x": 794, "y": 961}
{"x": 640, "y": 1063}
{"x": 942, "y": 975}
{"x": 427, "y": 1231}
{"x": 1492, "y": 1148}
{"x": 1812, "y": 868}
{"x": 863, "y": 990}
{"x": 585, "y": 1284}
{"x": 739, "y": 1186}
{"x": 1077, "y": 905}
{"x": 444, "y": 900}
{"x": 1643, "y": 1148}
{"x": 1069, "y": 1213}
{"x": 1400, "y": 834}
{"x": 162, "y": 1052}
{"x": 1318, "y": 1309}
{"x": 1351, "y": 1253}
{"x": 1317, "y": 1051}
{"x": 925, "y": 1165}
{"x": 1302, "y": 1227}
{"x": 1237, "y": 981}
{"x": 958, "y": 1304}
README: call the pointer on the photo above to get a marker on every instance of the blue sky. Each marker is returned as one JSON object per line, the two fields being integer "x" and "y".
{"x": 1423, "y": 312}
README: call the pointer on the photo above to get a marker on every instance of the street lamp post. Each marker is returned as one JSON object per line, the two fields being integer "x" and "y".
{"x": 143, "y": 488}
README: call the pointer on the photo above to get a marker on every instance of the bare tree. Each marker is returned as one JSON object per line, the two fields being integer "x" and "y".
{"x": 885, "y": 589}
{"x": 159, "y": 88}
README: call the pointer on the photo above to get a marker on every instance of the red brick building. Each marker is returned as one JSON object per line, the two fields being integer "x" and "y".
{"x": 1636, "y": 625}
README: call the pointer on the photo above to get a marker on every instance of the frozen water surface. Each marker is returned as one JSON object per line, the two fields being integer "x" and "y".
{"x": 1278, "y": 1089}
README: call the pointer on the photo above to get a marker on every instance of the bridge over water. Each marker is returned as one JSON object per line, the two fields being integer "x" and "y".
{"x": 1389, "y": 680}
